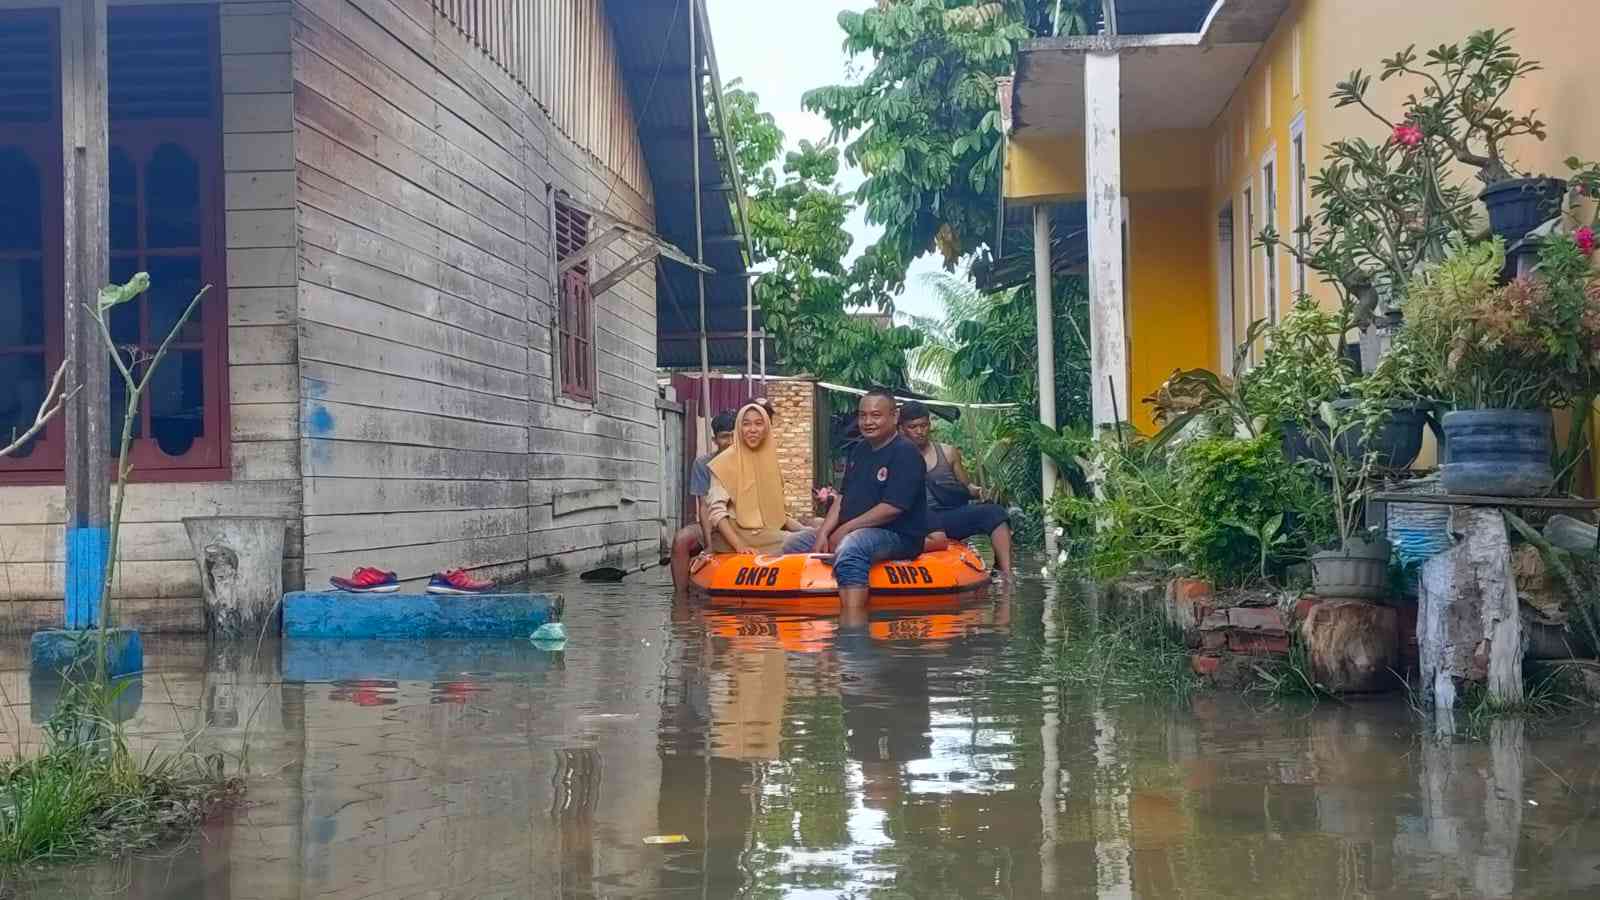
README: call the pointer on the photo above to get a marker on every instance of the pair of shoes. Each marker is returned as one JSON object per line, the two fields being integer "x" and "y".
{"x": 457, "y": 581}
{"x": 367, "y": 580}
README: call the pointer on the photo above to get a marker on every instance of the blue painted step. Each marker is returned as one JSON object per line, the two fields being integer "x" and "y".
{"x": 336, "y": 614}
{"x": 332, "y": 659}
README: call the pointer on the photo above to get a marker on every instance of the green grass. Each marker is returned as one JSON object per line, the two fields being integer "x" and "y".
{"x": 88, "y": 793}
{"x": 1290, "y": 678}
{"x": 1123, "y": 654}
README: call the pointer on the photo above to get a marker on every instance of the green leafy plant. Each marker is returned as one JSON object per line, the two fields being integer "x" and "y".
{"x": 1246, "y": 509}
{"x": 1531, "y": 344}
{"x": 1269, "y": 535}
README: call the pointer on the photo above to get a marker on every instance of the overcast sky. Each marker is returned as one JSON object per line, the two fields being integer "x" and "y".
{"x": 782, "y": 48}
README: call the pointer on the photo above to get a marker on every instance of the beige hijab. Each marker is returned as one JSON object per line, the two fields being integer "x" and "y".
{"x": 752, "y": 477}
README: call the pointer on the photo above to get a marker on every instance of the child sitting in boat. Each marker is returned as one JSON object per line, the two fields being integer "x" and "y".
{"x": 745, "y": 505}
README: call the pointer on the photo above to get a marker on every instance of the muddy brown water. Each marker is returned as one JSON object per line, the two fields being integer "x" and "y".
{"x": 922, "y": 755}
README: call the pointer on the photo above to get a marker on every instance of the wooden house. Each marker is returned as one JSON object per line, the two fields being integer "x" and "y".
{"x": 445, "y": 239}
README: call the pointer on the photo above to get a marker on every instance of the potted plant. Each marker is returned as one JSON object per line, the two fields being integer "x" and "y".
{"x": 1460, "y": 115}
{"x": 1357, "y": 568}
{"x": 1304, "y": 366}
{"x": 1502, "y": 357}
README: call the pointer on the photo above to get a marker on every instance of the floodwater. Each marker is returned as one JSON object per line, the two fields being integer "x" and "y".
{"x": 917, "y": 756}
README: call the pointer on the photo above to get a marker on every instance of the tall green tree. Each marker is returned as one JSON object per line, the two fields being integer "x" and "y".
{"x": 923, "y": 123}
{"x": 797, "y": 215}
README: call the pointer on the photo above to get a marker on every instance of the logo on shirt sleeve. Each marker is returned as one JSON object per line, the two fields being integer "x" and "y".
{"x": 883, "y": 474}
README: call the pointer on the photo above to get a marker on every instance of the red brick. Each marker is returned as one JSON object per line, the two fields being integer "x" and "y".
{"x": 1205, "y": 666}
{"x": 1264, "y": 619}
{"x": 1214, "y": 620}
{"x": 1258, "y": 644}
{"x": 1213, "y": 640}
{"x": 1304, "y": 606}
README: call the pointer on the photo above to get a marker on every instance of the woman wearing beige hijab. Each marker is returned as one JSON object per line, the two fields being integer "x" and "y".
{"x": 745, "y": 504}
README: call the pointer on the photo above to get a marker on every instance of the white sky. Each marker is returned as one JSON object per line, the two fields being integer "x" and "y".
{"x": 782, "y": 48}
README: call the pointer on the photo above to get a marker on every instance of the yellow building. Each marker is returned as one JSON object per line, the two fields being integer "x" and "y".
{"x": 1206, "y": 125}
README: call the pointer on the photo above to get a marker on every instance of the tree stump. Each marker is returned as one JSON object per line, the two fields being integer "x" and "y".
{"x": 1468, "y": 625}
{"x": 241, "y": 572}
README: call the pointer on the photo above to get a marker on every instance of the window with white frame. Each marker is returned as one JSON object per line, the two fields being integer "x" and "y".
{"x": 1266, "y": 99}
{"x": 1299, "y": 197}
{"x": 1294, "y": 60}
{"x": 1248, "y": 220}
{"x": 1269, "y": 218}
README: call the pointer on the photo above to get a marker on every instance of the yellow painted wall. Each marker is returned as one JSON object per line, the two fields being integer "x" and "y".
{"x": 1170, "y": 286}
{"x": 1044, "y": 167}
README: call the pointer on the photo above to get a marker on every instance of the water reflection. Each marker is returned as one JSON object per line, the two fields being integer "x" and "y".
{"x": 913, "y": 753}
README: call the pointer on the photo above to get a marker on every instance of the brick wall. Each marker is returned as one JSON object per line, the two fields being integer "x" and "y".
{"x": 796, "y": 403}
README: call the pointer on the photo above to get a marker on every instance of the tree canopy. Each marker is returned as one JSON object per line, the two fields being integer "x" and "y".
{"x": 923, "y": 123}
{"x": 797, "y": 215}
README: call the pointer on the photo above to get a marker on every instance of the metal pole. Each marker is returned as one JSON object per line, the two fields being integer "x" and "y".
{"x": 88, "y": 264}
{"x": 749, "y": 335}
{"x": 1043, "y": 310}
{"x": 699, "y": 224}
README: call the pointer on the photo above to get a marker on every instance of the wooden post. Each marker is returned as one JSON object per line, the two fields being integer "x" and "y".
{"x": 1044, "y": 313}
{"x": 699, "y": 225}
{"x": 87, "y": 267}
{"x": 241, "y": 572}
{"x": 1108, "y": 348}
{"x": 1468, "y": 624}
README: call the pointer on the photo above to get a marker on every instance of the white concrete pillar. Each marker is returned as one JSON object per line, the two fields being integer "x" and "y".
{"x": 1108, "y": 347}
{"x": 1043, "y": 303}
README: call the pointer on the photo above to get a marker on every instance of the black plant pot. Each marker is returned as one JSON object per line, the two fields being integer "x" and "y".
{"x": 1520, "y": 205}
{"x": 1498, "y": 452}
{"x": 1398, "y": 443}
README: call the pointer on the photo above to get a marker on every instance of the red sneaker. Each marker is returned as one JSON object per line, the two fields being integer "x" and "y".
{"x": 457, "y": 581}
{"x": 367, "y": 580}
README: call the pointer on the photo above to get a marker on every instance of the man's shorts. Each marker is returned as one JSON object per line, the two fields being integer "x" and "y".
{"x": 965, "y": 521}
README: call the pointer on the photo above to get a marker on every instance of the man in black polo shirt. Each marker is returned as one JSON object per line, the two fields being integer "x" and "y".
{"x": 882, "y": 510}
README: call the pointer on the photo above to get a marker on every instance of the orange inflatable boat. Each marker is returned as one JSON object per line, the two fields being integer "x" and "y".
{"x": 802, "y": 580}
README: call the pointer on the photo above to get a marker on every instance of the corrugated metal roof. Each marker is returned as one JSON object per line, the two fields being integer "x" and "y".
{"x": 652, "y": 39}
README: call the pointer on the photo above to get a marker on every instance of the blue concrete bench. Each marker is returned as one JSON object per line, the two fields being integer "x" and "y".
{"x": 336, "y": 614}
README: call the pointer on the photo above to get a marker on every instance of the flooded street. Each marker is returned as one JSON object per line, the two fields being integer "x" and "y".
{"x": 679, "y": 751}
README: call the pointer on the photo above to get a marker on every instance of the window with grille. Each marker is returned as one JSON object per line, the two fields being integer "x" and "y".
{"x": 165, "y": 218}
{"x": 575, "y": 318}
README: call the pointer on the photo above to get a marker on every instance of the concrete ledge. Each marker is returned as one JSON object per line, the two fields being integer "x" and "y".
{"x": 56, "y": 651}
{"x": 336, "y": 614}
{"x": 334, "y": 659}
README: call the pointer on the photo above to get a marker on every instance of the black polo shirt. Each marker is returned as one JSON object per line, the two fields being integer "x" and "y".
{"x": 894, "y": 474}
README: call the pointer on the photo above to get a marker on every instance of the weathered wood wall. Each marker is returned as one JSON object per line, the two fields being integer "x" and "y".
{"x": 159, "y": 585}
{"x": 431, "y": 435}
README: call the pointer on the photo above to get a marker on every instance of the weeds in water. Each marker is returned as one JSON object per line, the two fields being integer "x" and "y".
{"x": 90, "y": 793}
{"x": 1545, "y": 696}
{"x": 1128, "y": 654}
{"x": 1291, "y": 677}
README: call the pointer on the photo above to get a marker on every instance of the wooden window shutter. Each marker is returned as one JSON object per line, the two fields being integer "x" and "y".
{"x": 575, "y": 319}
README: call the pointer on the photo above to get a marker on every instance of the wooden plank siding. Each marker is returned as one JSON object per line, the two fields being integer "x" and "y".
{"x": 158, "y": 585}
{"x": 431, "y": 435}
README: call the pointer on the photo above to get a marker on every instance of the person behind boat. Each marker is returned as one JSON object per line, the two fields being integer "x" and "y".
{"x": 951, "y": 511}
{"x": 744, "y": 506}
{"x": 882, "y": 508}
{"x": 691, "y": 539}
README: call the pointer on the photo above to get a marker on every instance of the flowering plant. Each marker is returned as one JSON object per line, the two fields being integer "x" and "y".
{"x": 1531, "y": 344}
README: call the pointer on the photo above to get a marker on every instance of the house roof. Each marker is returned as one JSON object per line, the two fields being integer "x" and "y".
{"x": 652, "y": 39}
{"x": 1178, "y": 79}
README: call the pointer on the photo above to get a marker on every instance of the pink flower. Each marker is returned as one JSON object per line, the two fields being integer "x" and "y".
{"x": 1585, "y": 239}
{"x": 1407, "y": 134}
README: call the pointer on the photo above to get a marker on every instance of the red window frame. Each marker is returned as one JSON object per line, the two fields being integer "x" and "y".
{"x": 207, "y": 459}
{"x": 575, "y": 315}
